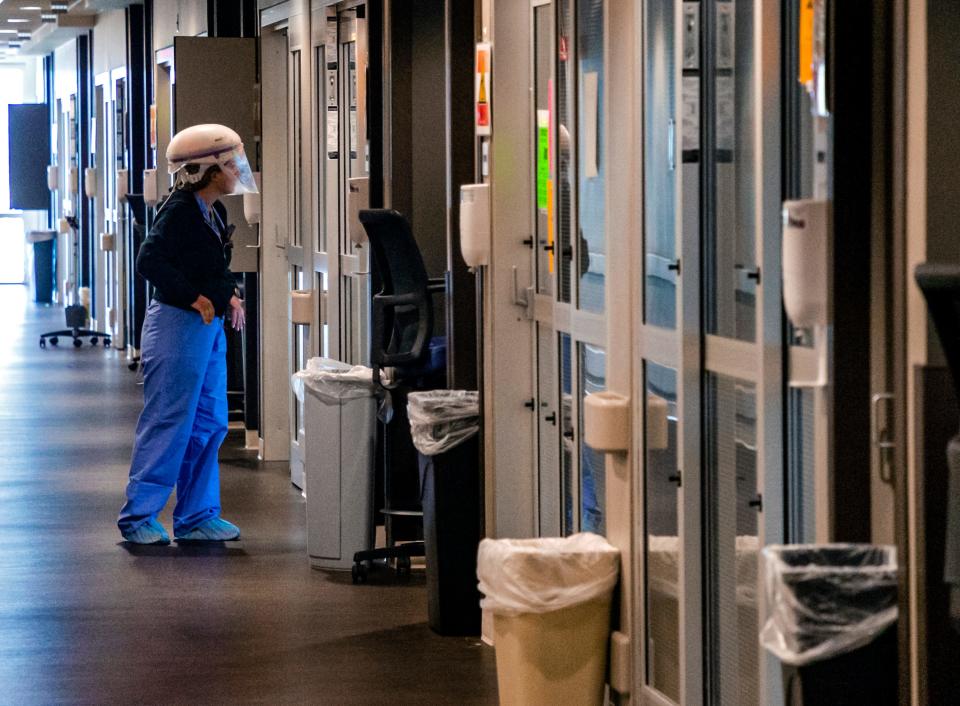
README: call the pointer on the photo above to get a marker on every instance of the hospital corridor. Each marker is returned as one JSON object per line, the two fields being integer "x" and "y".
{"x": 87, "y": 621}
{"x": 518, "y": 352}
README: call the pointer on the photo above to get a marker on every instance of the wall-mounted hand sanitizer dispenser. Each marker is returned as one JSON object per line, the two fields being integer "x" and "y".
{"x": 358, "y": 198}
{"x": 53, "y": 177}
{"x": 74, "y": 180}
{"x": 251, "y": 202}
{"x": 806, "y": 262}
{"x": 150, "y": 194}
{"x": 90, "y": 182}
{"x": 475, "y": 224}
{"x": 123, "y": 184}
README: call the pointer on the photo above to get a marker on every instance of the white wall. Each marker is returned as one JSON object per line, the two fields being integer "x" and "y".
{"x": 109, "y": 41}
{"x": 192, "y": 20}
{"x": 65, "y": 69}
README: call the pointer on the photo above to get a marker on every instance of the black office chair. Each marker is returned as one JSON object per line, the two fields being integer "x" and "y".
{"x": 402, "y": 340}
{"x": 941, "y": 287}
{"x": 76, "y": 320}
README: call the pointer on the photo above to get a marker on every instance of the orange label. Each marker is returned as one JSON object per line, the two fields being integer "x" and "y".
{"x": 806, "y": 43}
{"x": 550, "y": 221}
{"x": 482, "y": 89}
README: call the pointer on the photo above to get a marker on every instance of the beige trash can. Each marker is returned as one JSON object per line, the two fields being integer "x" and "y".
{"x": 550, "y": 600}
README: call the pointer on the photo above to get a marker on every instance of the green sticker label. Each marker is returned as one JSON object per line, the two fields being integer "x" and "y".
{"x": 543, "y": 157}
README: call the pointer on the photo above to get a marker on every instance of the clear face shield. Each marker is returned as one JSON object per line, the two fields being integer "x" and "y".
{"x": 234, "y": 164}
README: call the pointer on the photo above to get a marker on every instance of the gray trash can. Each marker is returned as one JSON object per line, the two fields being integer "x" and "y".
{"x": 339, "y": 440}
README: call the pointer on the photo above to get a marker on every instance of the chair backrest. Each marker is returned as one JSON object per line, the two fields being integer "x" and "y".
{"x": 940, "y": 284}
{"x": 403, "y": 309}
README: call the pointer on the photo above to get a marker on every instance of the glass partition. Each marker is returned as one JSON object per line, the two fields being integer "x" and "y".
{"x": 661, "y": 478}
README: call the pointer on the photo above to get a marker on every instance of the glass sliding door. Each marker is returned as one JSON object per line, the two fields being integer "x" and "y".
{"x": 711, "y": 478}
{"x": 568, "y": 257}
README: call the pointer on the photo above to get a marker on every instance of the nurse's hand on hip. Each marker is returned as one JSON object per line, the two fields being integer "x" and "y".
{"x": 205, "y": 307}
{"x": 238, "y": 317}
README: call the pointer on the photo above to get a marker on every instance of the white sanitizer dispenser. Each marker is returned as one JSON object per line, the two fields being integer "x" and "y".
{"x": 251, "y": 202}
{"x": 475, "y": 224}
{"x": 358, "y": 198}
{"x": 806, "y": 278}
{"x": 806, "y": 261}
{"x": 90, "y": 182}
{"x": 150, "y": 195}
{"x": 123, "y": 185}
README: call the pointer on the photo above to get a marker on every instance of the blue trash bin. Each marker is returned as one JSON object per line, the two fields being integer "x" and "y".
{"x": 44, "y": 264}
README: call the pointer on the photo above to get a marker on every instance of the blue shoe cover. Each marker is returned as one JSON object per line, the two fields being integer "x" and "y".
{"x": 215, "y": 529}
{"x": 150, "y": 532}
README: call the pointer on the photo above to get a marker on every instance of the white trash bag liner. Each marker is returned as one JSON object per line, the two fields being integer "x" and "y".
{"x": 546, "y": 574}
{"x": 827, "y": 599}
{"x": 333, "y": 379}
{"x": 442, "y": 419}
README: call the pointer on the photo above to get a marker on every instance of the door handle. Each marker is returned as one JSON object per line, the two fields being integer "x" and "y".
{"x": 521, "y": 297}
{"x": 671, "y": 144}
{"x": 879, "y": 437}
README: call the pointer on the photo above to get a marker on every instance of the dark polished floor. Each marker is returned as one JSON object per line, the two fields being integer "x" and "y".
{"x": 83, "y": 619}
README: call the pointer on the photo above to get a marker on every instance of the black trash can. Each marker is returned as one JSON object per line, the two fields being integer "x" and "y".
{"x": 833, "y": 612}
{"x": 451, "y": 535}
{"x": 44, "y": 265}
{"x": 867, "y": 675}
{"x": 444, "y": 426}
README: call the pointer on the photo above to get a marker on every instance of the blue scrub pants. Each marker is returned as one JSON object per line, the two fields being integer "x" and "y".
{"x": 184, "y": 420}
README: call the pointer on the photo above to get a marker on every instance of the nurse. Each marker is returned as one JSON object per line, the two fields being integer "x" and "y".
{"x": 186, "y": 257}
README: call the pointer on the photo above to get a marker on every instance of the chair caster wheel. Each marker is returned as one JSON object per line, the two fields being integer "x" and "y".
{"x": 43, "y": 343}
{"x": 94, "y": 340}
{"x": 106, "y": 343}
{"x": 359, "y": 573}
{"x": 403, "y": 566}
{"x": 77, "y": 343}
{"x": 54, "y": 341}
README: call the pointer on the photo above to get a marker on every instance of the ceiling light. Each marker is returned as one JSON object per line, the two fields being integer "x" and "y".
{"x": 31, "y": 7}
{"x": 17, "y": 19}
{"x": 8, "y": 31}
{"x": 48, "y": 17}
{"x": 23, "y": 35}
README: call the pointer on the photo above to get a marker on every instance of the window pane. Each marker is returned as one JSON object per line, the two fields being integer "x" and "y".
{"x": 320, "y": 118}
{"x": 801, "y": 501}
{"x": 660, "y": 164}
{"x": 568, "y": 442}
{"x": 662, "y": 541}
{"x": 300, "y": 352}
{"x": 731, "y": 259}
{"x": 732, "y": 525}
{"x": 320, "y": 287}
{"x": 566, "y": 209}
{"x": 548, "y": 433}
{"x": 593, "y": 378}
{"x": 296, "y": 161}
{"x": 543, "y": 56}
{"x": 591, "y": 239}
